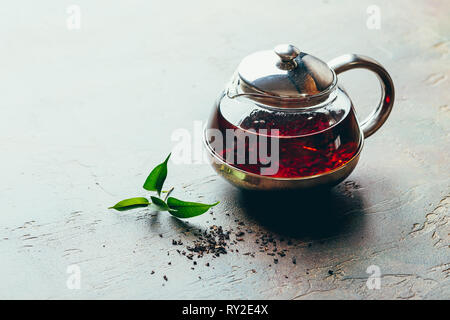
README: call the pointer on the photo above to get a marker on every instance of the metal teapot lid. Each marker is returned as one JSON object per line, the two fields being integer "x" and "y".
{"x": 285, "y": 72}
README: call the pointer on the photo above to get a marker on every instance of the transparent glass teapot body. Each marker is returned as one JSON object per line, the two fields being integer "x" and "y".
{"x": 280, "y": 141}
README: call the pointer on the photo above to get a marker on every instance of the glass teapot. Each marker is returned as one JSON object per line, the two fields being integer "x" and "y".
{"x": 284, "y": 122}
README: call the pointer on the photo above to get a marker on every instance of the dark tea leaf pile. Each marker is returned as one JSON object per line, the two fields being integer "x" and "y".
{"x": 214, "y": 241}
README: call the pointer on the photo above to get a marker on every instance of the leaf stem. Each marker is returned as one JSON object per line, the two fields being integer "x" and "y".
{"x": 168, "y": 193}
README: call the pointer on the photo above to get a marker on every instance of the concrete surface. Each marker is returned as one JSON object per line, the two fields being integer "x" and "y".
{"x": 85, "y": 115}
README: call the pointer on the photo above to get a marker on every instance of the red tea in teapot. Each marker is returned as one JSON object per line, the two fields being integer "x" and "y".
{"x": 308, "y": 143}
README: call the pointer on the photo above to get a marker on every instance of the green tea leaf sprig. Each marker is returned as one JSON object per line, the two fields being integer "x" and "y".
{"x": 185, "y": 209}
{"x": 132, "y": 203}
{"x": 176, "y": 207}
{"x": 156, "y": 178}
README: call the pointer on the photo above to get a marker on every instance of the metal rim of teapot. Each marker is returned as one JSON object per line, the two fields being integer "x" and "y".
{"x": 301, "y": 99}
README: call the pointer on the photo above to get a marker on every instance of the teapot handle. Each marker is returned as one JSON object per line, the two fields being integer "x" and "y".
{"x": 354, "y": 61}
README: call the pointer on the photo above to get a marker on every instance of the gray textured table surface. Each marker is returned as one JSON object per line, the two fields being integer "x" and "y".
{"x": 87, "y": 113}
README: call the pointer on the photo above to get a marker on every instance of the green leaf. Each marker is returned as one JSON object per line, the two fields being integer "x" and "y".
{"x": 184, "y": 209}
{"x": 156, "y": 178}
{"x": 160, "y": 204}
{"x": 132, "y": 203}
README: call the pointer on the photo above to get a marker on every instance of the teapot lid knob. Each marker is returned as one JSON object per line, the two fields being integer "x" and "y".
{"x": 287, "y": 52}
